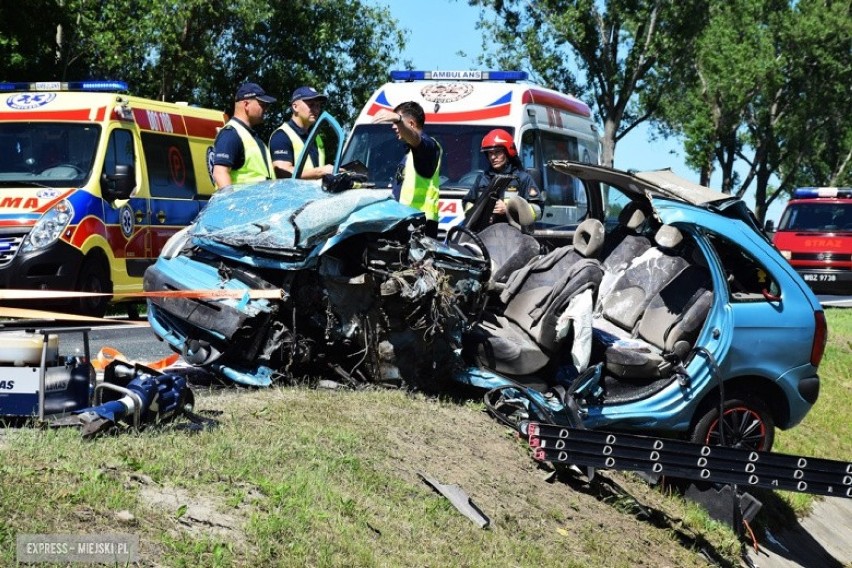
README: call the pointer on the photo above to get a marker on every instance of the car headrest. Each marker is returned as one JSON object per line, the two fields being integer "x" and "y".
{"x": 668, "y": 237}
{"x": 519, "y": 213}
{"x": 631, "y": 216}
{"x": 589, "y": 238}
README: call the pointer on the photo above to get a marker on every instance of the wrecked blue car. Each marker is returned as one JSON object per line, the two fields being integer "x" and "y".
{"x": 671, "y": 310}
{"x": 361, "y": 293}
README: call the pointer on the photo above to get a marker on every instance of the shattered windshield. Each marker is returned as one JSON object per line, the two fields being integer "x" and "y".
{"x": 376, "y": 146}
{"x": 46, "y": 154}
{"x": 281, "y": 214}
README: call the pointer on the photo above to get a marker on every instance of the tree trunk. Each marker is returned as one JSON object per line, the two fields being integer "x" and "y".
{"x": 607, "y": 157}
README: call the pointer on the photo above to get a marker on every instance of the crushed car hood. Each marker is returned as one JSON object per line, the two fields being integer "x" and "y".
{"x": 291, "y": 220}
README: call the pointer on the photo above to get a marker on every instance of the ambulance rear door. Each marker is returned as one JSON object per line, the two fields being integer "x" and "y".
{"x": 178, "y": 185}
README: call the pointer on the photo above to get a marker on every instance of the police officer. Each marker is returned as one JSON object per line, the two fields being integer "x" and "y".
{"x": 289, "y": 139}
{"x": 503, "y": 159}
{"x": 417, "y": 181}
{"x": 239, "y": 155}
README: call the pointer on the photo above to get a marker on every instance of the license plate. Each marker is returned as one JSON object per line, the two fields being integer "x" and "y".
{"x": 820, "y": 277}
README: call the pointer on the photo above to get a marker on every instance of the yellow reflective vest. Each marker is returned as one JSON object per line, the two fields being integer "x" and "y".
{"x": 258, "y": 163}
{"x": 299, "y": 144}
{"x": 420, "y": 192}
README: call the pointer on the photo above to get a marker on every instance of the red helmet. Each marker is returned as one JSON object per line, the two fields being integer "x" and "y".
{"x": 499, "y": 138}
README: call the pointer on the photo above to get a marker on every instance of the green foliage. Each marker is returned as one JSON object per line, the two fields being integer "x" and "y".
{"x": 769, "y": 89}
{"x": 620, "y": 54}
{"x": 28, "y": 40}
{"x": 201, "y": 50}
{"x": 816, "y": 132}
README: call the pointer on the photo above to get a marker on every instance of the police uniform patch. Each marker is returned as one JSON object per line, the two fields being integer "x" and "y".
{"x": 210, "y": 163}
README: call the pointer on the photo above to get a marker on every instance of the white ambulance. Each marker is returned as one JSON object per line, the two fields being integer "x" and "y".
{"x": 461, "y": 108}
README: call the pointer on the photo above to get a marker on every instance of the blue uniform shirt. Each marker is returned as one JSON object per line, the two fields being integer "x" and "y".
{"x": 282, "y": 148}
{"x": 523, "y": 186}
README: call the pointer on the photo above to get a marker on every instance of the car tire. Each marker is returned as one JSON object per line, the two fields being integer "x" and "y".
{"x": 748, "y": 424}
{"x": 93, "y": 277}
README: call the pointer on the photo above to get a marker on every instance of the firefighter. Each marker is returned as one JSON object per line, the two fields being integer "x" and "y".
{"x": 503, "y": 159}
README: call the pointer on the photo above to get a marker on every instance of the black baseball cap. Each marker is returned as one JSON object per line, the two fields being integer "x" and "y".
{"x": 253, "y": 91}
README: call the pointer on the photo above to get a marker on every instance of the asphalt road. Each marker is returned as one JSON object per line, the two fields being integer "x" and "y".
{"x": 836, "y": 301}
{"x": 136, "y": 343}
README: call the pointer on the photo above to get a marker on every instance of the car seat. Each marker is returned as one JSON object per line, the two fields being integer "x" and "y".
{"x": 624, "y": 244}
{"x": 509, "y": 249}
{"x": 655, "y": 310}
{"x": 523, "y": 339}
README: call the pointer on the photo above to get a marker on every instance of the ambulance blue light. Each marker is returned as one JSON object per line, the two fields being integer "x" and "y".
{"x": 461, "y": 75}
{"x": 508, "y": 76}
{"x": 110, "y": 86}
{"x": 100, "y": 86}
{"x": 814, "y": 192}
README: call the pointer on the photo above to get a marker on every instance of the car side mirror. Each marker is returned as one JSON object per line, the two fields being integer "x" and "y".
{"x": 120, "y": 184}
{"x": 769, "y": 226}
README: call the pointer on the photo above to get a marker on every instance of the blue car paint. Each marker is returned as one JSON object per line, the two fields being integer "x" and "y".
{"x": 293, "y": 216}
{"x": 742, "y": 337}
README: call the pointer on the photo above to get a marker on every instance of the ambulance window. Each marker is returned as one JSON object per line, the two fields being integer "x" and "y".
{"x": 169, "y": 164}
{"x": 119, "y": 151}
{"x": 528, "y": 149}
{"x": 566, "y": 203}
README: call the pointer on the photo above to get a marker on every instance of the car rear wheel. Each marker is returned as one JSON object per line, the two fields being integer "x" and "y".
{"x": 747, "y": 424}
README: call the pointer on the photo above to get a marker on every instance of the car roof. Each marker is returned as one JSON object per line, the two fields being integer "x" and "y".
{"x": 660, "y": 182}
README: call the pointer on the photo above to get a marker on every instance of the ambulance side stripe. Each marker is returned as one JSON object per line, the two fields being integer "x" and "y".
{"x": 84, "y": 229}
{"x": 76, "y": 115}
{"x": 159, "y": 121}
{"x": 202, "y": 127}
{"x": 574, "y": 106}
{"x": 479, "y": 114}
{"x": 134, "y": 247}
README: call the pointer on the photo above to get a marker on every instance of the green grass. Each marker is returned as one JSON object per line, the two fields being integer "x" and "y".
{"x": 825, "y": 431}
{"x": 316, "y": 478}
{"x": 300, "y": 477}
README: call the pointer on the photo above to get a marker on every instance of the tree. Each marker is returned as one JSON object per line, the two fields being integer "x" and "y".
{"x": 28, "y": 33}
{"x": 816, "y": 133}
{"x": 201, "y": 50}
{"x": 768, "y": 89}
{"x": 626, "y": 51}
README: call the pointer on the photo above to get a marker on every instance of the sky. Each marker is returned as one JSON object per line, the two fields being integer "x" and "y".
{"x": 443, "y": 35}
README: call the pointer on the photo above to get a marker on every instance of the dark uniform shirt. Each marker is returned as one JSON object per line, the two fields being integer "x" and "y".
{"x": 523, "y": 186}
{"x": 282, "y": 148}
{"x": 228, "y": 148}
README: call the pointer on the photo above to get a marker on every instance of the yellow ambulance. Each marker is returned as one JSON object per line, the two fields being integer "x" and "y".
{"x": 93, "y": 182}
